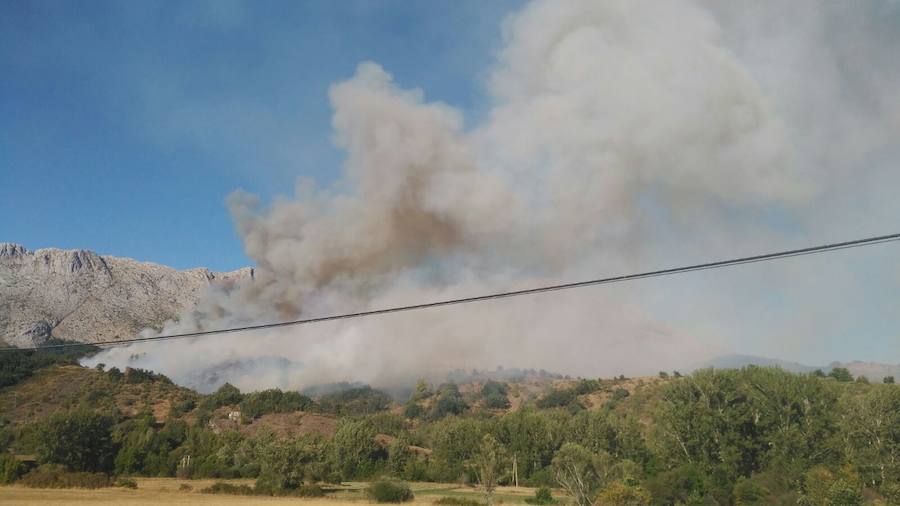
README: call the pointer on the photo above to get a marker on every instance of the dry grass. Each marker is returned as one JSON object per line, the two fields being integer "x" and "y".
{"x": 60, "y": 388}
{"x": 290, "y": 425}
{"x": 157, "y": 491}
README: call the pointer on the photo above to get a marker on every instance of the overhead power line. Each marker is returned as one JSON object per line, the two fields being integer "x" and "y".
{"x": 500, "y": 295}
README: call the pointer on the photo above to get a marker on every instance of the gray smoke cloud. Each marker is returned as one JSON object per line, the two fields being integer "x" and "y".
{"x": 621, "y": 136}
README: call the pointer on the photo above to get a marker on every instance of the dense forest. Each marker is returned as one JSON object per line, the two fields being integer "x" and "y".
{"x": 748, "y": 436}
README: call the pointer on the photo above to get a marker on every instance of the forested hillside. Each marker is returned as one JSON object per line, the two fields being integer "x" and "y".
{"x": 748, "y": 436}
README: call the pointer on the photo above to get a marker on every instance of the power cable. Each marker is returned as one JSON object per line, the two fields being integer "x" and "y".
{"x": 500, "y": 295}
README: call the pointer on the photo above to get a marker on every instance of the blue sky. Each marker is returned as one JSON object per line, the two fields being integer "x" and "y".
{"x": 124, "y": 125}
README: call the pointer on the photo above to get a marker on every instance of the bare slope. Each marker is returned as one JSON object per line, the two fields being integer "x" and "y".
{"x": 78, "y": 295}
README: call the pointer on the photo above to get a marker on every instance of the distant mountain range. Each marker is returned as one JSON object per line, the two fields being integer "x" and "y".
{"x": 871, "y": 370}
{"x": 78, "y": 295}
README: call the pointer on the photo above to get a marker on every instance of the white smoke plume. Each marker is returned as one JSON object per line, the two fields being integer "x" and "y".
{"x": 622, "y": 136}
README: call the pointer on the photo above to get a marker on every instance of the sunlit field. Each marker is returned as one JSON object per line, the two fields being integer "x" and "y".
{"x": 155, "y": 491}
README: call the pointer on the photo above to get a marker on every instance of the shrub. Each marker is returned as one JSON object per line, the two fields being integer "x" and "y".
{"x": 587, "y": 386}
{"x": 619, "y": 394}
{"x": 619, "y": 493}
{"x": 389, "y": 491}
{"x": 460, "y": 501}
{"x": 496, "y": 401}
{"x": 556, "y": 398}
{"x": 56, "y": 476}
{"x": 542, "y": 496}
{"x": 19, "y": 365}
{"x": 749, "y": 492}
{"x": 495, "y": 395}
{"x": 413, "y": 410}
{"x": 10, "y": 468}
{"x": 449, "y": 402}
{"x": 309, "y": 491}
{"x": 841, "y": 374}
{"x": 126, "y": 483}
{"x": 363, "y": 400}
{"x": 81, "y": 441}
{"x": 185, "y": 406}
{"x": 184, "y": 487}
{"x": 354, "y": 446}
{"x": 274, "y": 400}
{"x": 220, "y": 487}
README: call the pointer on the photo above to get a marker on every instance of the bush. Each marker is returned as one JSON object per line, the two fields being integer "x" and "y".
{"x": 184, "y": 487}
{"x": 460, "y": 501}
{"x": 19, "y": 365}
{"x": 309, "y": 491}
{"x": 841, "y": 374}
{"x": 542, "y": 496}
{"x": 80, "y": 440}
{"x": 56, "y": 476}
{"x": 126, "y": 483}
{"x": 363, "y": 400}
{"x": 413, "y": 410}
{"x": 137, "y": 375}
{"x": 220, "y": 487}
{"x": 495, "y": 395}
{"x": 619, "y": 493}
{"x": 449, "y": 402}
{"x": 10, "y": 468}
{"x": 496, "y": 401}
{"x": 274, "y": 400}
{"x": 389, "y": 491}
{"x": 619, "y": 394}
{"x": 556, "y": 399}
{"x": 587, "y": 386}
{"x": 749, "y": 492}
{"x": 183, "y": 407}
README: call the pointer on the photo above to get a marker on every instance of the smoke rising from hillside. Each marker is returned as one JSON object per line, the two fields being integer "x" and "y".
{"x": 622, "y": 136}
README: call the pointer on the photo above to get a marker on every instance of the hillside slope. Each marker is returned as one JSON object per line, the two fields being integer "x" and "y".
{"x": 78, "y": 295}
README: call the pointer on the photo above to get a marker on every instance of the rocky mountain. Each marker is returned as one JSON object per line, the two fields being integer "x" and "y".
{"x": 78, "y": 295}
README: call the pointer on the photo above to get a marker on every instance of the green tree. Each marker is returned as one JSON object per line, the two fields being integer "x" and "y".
{"x": 287, "y": 465}
{"x": 841, "y": 374}
{"x": 494, "y": 394}
{"x": 357, "y": 454}
{"x": 733, "y": 423}
{"x": 422, "y": 391}
{"x": 871, "y": 430}
{"x": 888, "y": 380}
{"x": 10, "y": 468}
{"x": 79, "y": 440}
{"x": 823, "y": 487}
{"x": 621, "y": 493}
{"x": 532, "y": 437}
{"x": 449, "y": 402}
{"x": 454, "y": 441}
{"x": 573, "y": 468}
{"x": 488, "y": 464}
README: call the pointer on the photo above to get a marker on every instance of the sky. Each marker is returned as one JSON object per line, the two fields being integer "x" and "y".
{"x": 124, "y": 125}
{"x": 395, "y": 152}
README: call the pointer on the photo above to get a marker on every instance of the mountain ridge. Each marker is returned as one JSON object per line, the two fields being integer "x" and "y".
{"x": 871, "y": 370}
{"x": 78, "y": 295}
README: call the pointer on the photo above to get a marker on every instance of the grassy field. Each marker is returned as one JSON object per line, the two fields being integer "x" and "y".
{"x": 156, "y": 491}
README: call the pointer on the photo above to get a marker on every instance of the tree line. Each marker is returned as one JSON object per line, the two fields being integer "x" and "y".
{"x": 749, "y": 436}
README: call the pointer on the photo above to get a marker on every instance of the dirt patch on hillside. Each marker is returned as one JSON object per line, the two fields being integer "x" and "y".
{"x": 290, "y": 425}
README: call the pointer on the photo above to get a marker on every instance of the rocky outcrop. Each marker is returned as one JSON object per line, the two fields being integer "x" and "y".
{"x": 78, "y": 295}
